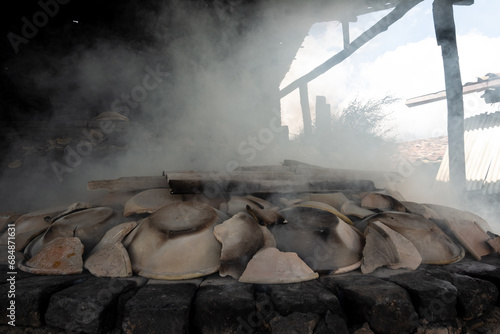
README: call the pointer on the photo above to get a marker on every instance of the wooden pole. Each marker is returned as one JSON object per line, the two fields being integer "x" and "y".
{"x": 306, "y": 110}
{"x": 444, "y": 25}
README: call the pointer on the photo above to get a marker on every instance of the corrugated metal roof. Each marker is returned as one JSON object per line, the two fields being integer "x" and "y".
{"x": 482, "y": 154}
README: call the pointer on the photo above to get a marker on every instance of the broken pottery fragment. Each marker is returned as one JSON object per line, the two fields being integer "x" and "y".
{"x": 111, "y": 116}
{"x": 7, "y": 218}
{"x": 434, "y": 246}
{"x": 333, "y": 199}
{"x": 149, "y": 201}
{"x": 77, "y": 206}
{"x": 494, "y": 242}
{"x": 239, "y": 203}
{"x": 265, "y": 216}
{"x": 31, "y": 224}
{"x": 322, "y": 240}
{"x": 269, "y": 240}
{"x": 326, "y": 207}
{"x": 241, "y": 237}
{"x": 262, "y": 203}
{"x": 61, "y": 256}
{"x": 89, "y": 225}
{"x": 114, "y": 235}
{"x": 63, "y": 141}
{"x": 15, "y": 164}
{"x": 111, "y": 260}
{"x": 420, "y": 209}
{"x": 469, "y": 229}
{"x": 213, "y": 201}
{"x": 381, "y": 202}
{"x": 176, "y": 242}
{"x": 386, "y": 247}
{"x": 271, "y": 266}
{"x": 350, "y": 208}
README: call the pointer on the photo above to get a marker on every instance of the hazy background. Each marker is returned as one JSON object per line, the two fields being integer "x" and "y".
{"x": 219, "y": 103}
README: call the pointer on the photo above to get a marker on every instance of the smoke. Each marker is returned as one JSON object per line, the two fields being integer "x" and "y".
{"x": 198, "y": 82}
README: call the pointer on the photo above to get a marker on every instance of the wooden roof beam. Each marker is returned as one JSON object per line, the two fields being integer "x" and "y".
{"x": 441, "y": 95}
{"x": 382, "y": 25}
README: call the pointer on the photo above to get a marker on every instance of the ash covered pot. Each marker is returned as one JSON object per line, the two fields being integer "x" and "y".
{"x": 176, "y": 242}
{"x": 322, "y": 240}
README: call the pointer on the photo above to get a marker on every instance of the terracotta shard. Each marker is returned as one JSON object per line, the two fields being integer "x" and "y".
{"x": 420, "y": 209}
{"x": 434, "y": 246}
{"x": 61, "y": 256}
{"x": 270, "y": 266}
{"x": 111, "y": 116}
{"x": 15, "y": 164}
{"x": 494, "y": 242}
{"x": 70, "y": 209}
{"x": 7, "y": 218}
{"x": 149, "y": 201}
{"x": 89, "y": 225}
{"x": 326, "y": 207}
{"x": 381, "y": 202}
{"x": 176, "y": 242}
{"x": 468, "y": 228}
{"x": 214, "y": 201}
{"x": 260, "y": 202}
{"x": 350, "y": 208}
{"x": 239, "y": 204}
{"x": 265, "y": 216}
{"x": 326, "y": 242}
{"x": 333, "y": 199}
{"x": 30, "y": 225}
{"x": 386, "y": 247}
{"x": 111, "y": 260}
{"x": 241, "y": 237}
{"x": 114, "y": 235}
{"x": 269, "y": 240}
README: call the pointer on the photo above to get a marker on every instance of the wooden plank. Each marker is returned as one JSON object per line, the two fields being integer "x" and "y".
{"x": 438, "y": 96}
{"x": 129, "y": 183}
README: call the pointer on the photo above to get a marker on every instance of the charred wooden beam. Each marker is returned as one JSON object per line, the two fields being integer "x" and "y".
{"x": 293, "y": 177}
{"x": 129, "y": 183}
{"x": 297, "y": 184}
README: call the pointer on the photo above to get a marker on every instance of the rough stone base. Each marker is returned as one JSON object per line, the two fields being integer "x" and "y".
{"x": 456, "y": 298}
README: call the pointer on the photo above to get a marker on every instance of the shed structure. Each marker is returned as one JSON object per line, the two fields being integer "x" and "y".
{"x": 482, "y": 155}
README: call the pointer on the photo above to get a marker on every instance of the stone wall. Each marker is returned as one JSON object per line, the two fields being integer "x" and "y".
{"x": 455, "y": 298}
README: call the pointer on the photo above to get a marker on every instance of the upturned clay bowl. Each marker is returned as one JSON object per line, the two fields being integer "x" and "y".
{"x": 322, "y": 240}
{"x": 176, "y": 242}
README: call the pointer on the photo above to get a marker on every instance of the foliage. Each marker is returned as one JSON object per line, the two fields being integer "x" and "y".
{"x": 366, "y": 117}
{"x": 360, "y": 137}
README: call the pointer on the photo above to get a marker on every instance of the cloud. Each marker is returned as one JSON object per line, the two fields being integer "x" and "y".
{"x": 405, "y": 71}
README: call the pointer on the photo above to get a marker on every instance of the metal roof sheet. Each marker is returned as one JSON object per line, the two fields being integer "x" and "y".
{"x": 482, "y": 154}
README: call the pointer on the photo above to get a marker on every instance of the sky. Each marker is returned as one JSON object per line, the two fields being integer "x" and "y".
{"x": 404, "y": 61}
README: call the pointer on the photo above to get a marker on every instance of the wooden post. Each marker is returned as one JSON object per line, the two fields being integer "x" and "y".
{"x": 444, "y": 25}
{"x": 306, "y": 110}
{"x": 323, "y": 117}
{"x": 345, "y": 33}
